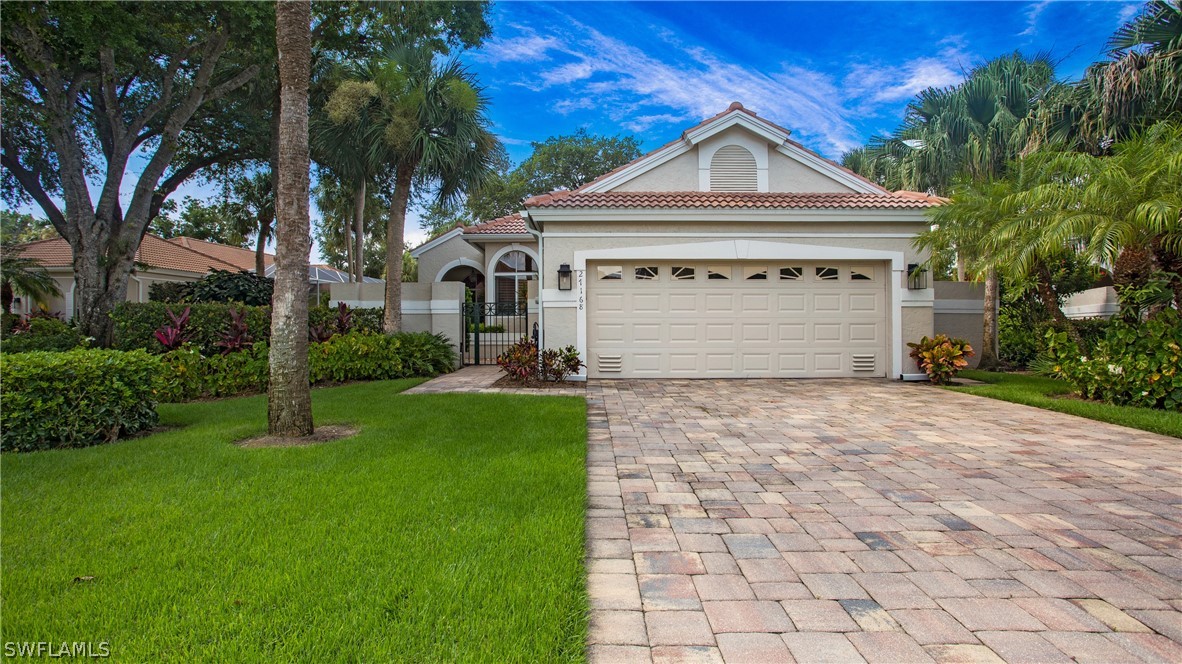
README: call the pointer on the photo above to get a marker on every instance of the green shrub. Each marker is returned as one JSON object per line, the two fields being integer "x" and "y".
{"x": 40, "y": 333}
{"x": 941, "y": 358}
{"x": 187, "y": 374}
{"x": 170, "y": 291}
{"x": 75, "y": 398}
{"x": 1021, "y": 341}
{"x": 425, "y": 354}
{"x": 137, "y": 322}
{"x": 1135, "y": 364}
{"x": 224, "y": 286}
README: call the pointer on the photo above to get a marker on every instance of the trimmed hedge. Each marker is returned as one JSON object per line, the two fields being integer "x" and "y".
{"x": 75, "y": 398}
{"x": 190, "y": 375}
{"x": 136, "y": 323}
{"x": 42, "y": 334}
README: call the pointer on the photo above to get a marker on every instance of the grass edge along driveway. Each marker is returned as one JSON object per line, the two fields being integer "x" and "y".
{"x": 449, "y": 529}
{"x": 1051, "y": 394}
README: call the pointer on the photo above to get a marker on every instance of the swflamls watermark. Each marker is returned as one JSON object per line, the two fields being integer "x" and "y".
{"x": 56, "y": 649}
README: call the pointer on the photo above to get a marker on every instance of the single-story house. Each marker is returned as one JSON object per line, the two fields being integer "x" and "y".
{"x": 158, "y": 260}
{"x": 730, "y": 252}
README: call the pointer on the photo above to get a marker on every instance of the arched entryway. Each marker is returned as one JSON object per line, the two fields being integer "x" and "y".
{"x": 467, "y": 273}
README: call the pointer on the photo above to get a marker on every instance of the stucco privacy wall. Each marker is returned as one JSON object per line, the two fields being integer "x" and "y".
{"x": 959, "y": 312}
{"x": 1100, "y": 302}
{"x": 426, "y": 307}
{"x": 453, "y": 252}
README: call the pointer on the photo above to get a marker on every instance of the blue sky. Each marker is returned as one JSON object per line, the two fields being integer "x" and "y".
{"x": 833, "y": 73}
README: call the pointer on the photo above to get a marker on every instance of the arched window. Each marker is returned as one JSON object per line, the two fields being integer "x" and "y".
{"x": 732, "y": 168}
{"x": 512, "y": 272}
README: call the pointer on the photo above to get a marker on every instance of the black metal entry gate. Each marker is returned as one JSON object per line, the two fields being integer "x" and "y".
{"x": 490, "y": 328}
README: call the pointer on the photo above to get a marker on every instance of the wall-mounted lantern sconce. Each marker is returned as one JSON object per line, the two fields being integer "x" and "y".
{"x": 917, "y": 277}
{"x": 564, "y": 277}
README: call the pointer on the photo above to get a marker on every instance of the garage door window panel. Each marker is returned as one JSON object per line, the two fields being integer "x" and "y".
{"x": 718, "y": 272}
{"x": 647, "y": 273}
{"x": 791, "y": 273}
{"x": 755, "y": 273}
{"x": 610, "y": 272}
{"x": 828, "y": 274}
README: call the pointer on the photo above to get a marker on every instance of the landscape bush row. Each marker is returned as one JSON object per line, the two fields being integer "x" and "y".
{"x": 136, "y": 323}
{"x": 1136, "y": 363}
{"x": 91, "y": 396}
{"x": 523, "y": 363}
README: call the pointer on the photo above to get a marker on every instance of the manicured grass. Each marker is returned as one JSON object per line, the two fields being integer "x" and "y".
{"x": 449, "y": 529}
{"x": 1047, "y": 393}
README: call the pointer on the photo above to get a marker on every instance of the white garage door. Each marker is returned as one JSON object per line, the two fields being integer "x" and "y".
{"x": 736, "y": 319}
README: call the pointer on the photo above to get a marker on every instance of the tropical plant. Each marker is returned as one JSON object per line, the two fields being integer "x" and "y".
{"x": 173, "y": 335}
{"x": 940, "y": 357}
{"x": 1140, "y": 84}
{"x": 224, "y": 286}
{"x": 427, "y": 121}
{"x": 289, "y": 399}
{"x": 237, "y": 335}
{"x": 520, "y": 361}
{"x": 19, "y": 274}
{"x": 251, "y": 210}
{"x": 1123, "y": 210}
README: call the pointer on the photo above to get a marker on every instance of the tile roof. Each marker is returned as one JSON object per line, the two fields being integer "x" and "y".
{"x": 921, "y": 196}
{"x": 153, "y": 251}
{"x": 512, "y": 224}
{"x": 243, "y": 258}
{"x": 734, "y": 107}
{"x": 722, "y": 200}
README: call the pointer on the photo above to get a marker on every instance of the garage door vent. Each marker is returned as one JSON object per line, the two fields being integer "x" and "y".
{"x": 863, "y": 362}
{"x": 732, "y": 168}
{"x": 610, "y": 363}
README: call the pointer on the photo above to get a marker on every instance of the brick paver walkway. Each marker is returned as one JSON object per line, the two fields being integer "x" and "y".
{"x": 842, "y": 521}
{"x": 479, "y": 379}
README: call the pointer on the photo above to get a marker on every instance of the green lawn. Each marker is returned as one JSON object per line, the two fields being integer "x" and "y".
{"x": 1047, "y": 393}
{"x": 449, "y": 529}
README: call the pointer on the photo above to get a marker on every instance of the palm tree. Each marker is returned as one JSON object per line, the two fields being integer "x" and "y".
{"x": 428, "y": 123}
{"x": 23, "y": 275}
{"x": 289, "y": 400}
{"x": 1124, "y": 210}
{"x": 342, "y": 140}
{"x": 252, "y": 211}
{"x": 971, "y": 131}
{"x": 1140, "y": 84}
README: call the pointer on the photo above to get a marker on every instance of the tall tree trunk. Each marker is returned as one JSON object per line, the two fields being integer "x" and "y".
{"x": 1050, "y": 301}
{"x": 1170, "y": 262}
{"x": 960, "y": 269}
{"x": 350, "y": 260}
{"x": 6, "y": 297}
{"x": 395, "y": 228}
{"x": 260, "y": 247}
{"x": 289, "y": 398}
{"x": 988, "y": 358}
{"x": 359, "y": 232}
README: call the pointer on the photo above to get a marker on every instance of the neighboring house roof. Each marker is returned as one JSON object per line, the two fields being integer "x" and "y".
{"x": 921, "y": 196}
{"x": 512, "y": 224}
{"x": 153, "y": 251}
{"x": 319, "y": 273}
{"x": 722, "y": 199}
{"x": 243, "y": 258}
{"x": 693, "y": 135}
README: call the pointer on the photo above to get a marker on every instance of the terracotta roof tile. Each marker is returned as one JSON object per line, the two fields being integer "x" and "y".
{"x": 921, "y": 196}
{"x": 512, "y": 224}
{"x": 243, "y": 258}
{"x": 153, "y": 251}
{"x": 723, "y": 200}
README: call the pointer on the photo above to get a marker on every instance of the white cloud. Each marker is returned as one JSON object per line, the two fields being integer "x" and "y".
{"x": 640, "y": 89}
{"x": 527, "y": 47}
{"x": 1127, "y": 12}
{"x": 1033, "y": 11}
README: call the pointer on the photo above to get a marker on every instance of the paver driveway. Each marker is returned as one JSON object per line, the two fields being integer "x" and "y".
{"x": 761, "y": 521}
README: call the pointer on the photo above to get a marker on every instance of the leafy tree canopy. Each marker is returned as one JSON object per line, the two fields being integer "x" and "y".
{"x": 559, "y": 162}
{"x": 19, "y": 227}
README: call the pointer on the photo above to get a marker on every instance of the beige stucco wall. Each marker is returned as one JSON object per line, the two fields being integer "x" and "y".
{"x": 433, "y": 260}
{"x": 677, "y": 174}
{"x": 917, "y": 324}
{"x": 1098, "y": 302}
{"x": 137, "y": 289}
{"x": 959, "y": 313}
{"x": 684, "y": 172}
{"x": 787, "y": 174}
